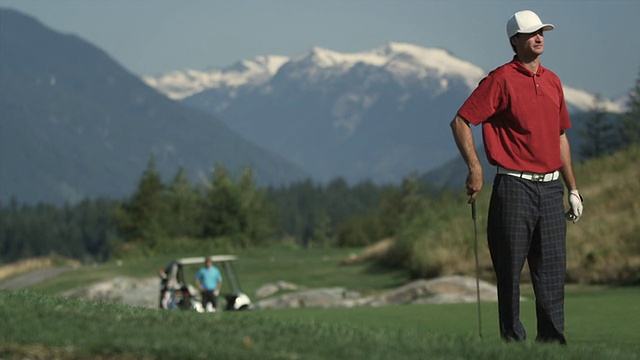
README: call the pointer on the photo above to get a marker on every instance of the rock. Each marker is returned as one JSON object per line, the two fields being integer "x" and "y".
{"x": 324, "y": 298}
{"x": 270, "y": 289}
{"x": 266, "y": 290}
{"x": 449, "y": 289}
{"x": 120, "y": 290}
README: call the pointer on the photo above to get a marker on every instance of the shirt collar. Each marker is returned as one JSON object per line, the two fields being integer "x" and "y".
{"x": 516, "y": 64}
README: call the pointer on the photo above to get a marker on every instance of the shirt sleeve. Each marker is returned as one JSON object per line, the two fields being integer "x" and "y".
{"x": 486, "y": 100}
{"x": 565, "y": 122}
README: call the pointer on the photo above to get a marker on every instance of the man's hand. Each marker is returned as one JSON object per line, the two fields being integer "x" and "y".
{"x": 474, "y": 184}
{"x": 464, "y": 140}
{"x": 575, "y": 203}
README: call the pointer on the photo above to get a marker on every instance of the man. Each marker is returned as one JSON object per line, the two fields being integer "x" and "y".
{"x": 523, "y": 114}
{"x": 209, "y": 281}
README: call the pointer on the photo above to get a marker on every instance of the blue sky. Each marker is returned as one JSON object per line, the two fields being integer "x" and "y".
{"x": 595, "y": 47}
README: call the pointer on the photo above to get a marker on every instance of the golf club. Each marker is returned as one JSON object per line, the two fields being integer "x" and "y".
{"x": 475, "y": 251}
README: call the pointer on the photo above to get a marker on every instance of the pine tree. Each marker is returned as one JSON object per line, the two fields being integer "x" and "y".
{"x": 223, "y": 214}
{"x": 143, "y": 217}
{"x": 259, "y": 222}
{"x": 598, "y": 133}
{"x": 184, "y": 204}
{"x": 630, "y": 121}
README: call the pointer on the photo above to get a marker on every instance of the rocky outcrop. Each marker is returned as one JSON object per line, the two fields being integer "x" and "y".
{"x": 121, "y": 290}
{"x": 324, "y": 298}
{"x": 450, "y": 289}
{"x": 270, "y": 289}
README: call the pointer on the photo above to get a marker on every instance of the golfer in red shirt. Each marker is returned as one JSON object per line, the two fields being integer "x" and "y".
{"x": 523, "y": 114}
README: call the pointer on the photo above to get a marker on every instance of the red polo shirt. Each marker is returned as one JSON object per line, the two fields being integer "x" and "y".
{"x": 522, "y": 114}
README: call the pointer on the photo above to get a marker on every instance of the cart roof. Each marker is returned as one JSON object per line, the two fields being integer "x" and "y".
{"x": 200, "y": 259}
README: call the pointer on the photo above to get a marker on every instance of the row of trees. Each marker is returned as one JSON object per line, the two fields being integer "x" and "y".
{"x": 223, "y": 208}
{"x": 235, "y": 209}
{"x": 84, "y": 231}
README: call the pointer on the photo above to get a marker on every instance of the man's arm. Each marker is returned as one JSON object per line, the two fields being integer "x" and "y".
{"x": 466, "y": 145}
{"x": 575, "y": 199}
{"x": 198, "y": 283}
{"x": 567, "y": 168}
{"x": 219, "y": 285}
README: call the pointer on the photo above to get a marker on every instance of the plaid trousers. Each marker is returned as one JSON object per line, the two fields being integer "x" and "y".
{"x": 526, "y": 222}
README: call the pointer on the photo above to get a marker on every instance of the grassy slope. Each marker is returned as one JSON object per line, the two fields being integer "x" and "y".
{"x": 604, "y": 244}
{"x": 602, "y": 247}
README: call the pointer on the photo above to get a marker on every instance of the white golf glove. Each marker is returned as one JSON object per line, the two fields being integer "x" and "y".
{"x": 575, "y": 206}
{"x": 216, "y": 292}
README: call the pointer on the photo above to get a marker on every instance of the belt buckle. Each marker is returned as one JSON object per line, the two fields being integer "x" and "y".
{"x": 537, "y": 177}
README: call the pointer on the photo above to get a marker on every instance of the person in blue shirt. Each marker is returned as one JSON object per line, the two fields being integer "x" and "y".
{"x": 209, "y": 281}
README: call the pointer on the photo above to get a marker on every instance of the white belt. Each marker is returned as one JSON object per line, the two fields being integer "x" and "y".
{"x": 535, "y": 177}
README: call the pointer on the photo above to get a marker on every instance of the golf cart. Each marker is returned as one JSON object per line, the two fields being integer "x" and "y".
{"x": 176, "y": 293}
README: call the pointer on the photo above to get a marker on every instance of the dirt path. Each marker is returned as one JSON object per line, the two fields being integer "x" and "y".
{"x": 33, "y": 277}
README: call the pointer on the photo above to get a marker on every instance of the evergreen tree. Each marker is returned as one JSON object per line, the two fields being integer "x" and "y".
{"x": 83, "y": 231}
{"x": 630, "y": 121}
{"x": 322, "y": 230}
{"x": 142, "y": 217}
{"x": 93, "y": 219}
{"x": 598, "y": 134}
{"x": 353, "y": 233}
{"x": 236, "y": 209}
{"x": 260, "y": 223}
{"x": 399, "y": 206}
{"x": 293, "y": 207}
{"x": 184, "y": 207}
{"x": 223, "y": 213}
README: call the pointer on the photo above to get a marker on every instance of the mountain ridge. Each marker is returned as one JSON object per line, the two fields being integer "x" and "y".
{"x": 77, "y": 124}
{"x": 178, "y": 88}
{"x": 378, "y": 115}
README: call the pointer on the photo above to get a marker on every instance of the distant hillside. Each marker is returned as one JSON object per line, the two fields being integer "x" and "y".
{"x": 602, "y": 247}
{"x": 75, "y": 123}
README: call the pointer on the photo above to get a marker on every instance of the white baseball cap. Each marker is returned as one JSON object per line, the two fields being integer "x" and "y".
{"x": 526, "y": 22}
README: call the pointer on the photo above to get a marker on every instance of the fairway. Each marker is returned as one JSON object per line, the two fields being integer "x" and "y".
{"x": 608, "y": 317}
{"x": 601, "y": 322}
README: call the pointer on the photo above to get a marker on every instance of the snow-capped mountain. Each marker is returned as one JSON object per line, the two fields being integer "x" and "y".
{"x": 181, "y": 84}
{"x": 378, "y": 114}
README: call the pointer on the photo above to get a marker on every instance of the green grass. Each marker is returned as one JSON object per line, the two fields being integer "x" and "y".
{"x": 601, "y": 323}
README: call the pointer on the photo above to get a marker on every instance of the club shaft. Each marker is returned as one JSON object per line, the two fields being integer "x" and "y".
{"x": 475, "y": 252}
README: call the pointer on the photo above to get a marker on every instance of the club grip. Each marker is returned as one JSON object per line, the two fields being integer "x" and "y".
{"x": 473, "y": 209}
